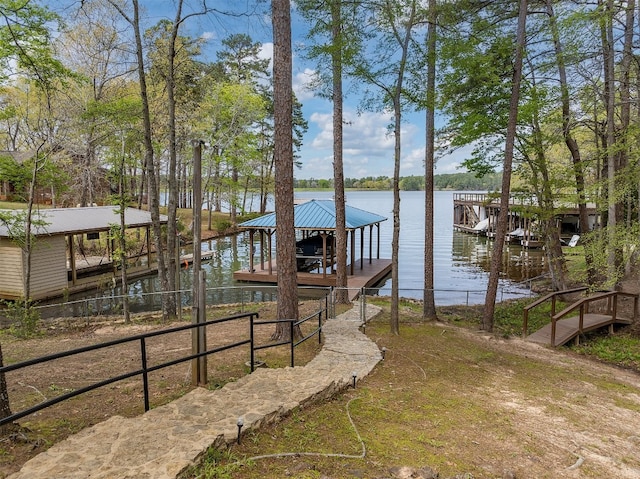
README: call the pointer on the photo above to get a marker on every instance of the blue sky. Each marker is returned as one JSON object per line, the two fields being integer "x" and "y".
{"x": 368, "y": 148}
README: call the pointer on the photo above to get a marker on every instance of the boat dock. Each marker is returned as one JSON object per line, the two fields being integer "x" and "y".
{"x": 477, "y": 213}
{"x": 366, "y": 274}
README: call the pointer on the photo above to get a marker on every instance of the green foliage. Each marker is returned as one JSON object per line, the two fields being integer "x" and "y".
{"x": 216, "y": 464}
{"x": 509, "y": 316}
{"x": 624, "y": 239}
{"x": 446, "y": 181}
{"x": 24, "y": 318}
{"x": 25, "y": 41}
{"x": 222, "y": 224}
{"x": 14, "y": 173}
{"x": 622, "y": 349}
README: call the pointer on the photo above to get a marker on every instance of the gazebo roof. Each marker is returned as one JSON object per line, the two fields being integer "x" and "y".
{"x": 81, "y": 220}
{"x": 318, "y": 215}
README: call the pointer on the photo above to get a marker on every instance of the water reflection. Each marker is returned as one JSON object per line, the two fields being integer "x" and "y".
{"x": 518, "y": 264}
{"x": 461, "y": 261}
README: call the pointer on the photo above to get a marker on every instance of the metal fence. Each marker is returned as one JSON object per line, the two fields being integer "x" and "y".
{"x": 99, "y": 307}
{"x": 143, "y": 370}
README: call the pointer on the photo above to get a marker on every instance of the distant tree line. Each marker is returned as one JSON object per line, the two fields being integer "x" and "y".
{"x": 447, "y": 181}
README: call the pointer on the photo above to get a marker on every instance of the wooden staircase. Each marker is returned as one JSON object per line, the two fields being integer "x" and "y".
{"x": 577, "y": 319}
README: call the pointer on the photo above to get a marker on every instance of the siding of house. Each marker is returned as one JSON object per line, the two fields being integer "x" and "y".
{"x": 11, "y": 277}
{"x": 49, "y": 267}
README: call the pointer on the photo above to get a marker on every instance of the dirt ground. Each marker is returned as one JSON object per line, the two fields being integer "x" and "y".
{"x": 35, "y": 384}
{"x": 485, "y": 405}
{"x": 467, "y": 405}
{"x": 579, "y": 420}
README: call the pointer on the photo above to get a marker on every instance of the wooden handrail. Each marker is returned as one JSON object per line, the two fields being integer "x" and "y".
{"x": 586, "y": 300}
{"x": 553, "y": 295}
{"x": 582, "y": 304}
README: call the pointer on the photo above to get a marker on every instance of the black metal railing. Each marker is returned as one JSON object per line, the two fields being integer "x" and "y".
{"x": 144, "y": 369}
{"x": 291, "y": 341}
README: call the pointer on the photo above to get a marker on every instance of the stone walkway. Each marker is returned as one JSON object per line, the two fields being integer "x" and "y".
{"x": 163, "y": 442}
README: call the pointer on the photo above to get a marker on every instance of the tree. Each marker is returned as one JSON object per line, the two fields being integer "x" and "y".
{"x": 133, "y": 18}
{"x": 392, "y": 24}
{"x": 283, "y": 139}
{"x": 25, "y": 41}
{"x": 93, "y": 47}
{"x": 170, "y": 49}
{"x": 496, "y": 253}
{"x": 568, "y": 123}
{"x": 339, "y": 48}
{"x": 230, "y": 115}
{"x": 429, "y": 304}
{"x": 240, "y": 62}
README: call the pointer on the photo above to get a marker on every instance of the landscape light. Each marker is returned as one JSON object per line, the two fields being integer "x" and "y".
{"x": 240, "y": 424}
{"x": 384, "y": 352}
{"x": 354, "y": 375}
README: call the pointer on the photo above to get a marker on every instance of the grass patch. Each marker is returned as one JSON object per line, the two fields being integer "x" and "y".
{"x": 440, "y": 399}
{"x": 621, "y": 349}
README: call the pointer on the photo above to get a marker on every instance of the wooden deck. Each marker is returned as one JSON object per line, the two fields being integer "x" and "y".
{"x": 568, "y": 328}
{"x": 365, "y": 275}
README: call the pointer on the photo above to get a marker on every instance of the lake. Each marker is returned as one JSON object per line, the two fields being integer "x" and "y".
{"x": 461, "y": 261}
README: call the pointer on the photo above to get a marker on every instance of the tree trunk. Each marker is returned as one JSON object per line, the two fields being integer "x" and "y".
{"x": 123, "y": 239}
{"x": 572, "y": 145}
{"x": 614, "y": 253}
{"x": 283, "y": 139}
{"x": 5, "y": 407}
{"x": 153, "y": 195}
{"x": 501, "y": 230}
{"x": 342, "y": 295}
{"x": 429, "y": 302}
{"x": 397, "y": 130}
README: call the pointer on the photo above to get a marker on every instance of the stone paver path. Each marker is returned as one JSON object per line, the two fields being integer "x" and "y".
{"x": 163, "y": 442}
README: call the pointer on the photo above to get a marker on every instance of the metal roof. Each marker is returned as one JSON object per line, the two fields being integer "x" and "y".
{"x": 318, "y": 214}
{"x": 81, "y": 220}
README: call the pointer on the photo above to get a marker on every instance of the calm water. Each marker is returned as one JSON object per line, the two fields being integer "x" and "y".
{"x": 461, "y": 261}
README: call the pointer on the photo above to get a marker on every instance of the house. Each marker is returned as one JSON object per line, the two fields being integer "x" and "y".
{"x": 72, "y": 251}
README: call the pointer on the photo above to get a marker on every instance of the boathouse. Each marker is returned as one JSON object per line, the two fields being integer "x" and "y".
{"x": 72, "y": 251}
{"x": 477, "y": 213}
{"x": 315, "y": 225}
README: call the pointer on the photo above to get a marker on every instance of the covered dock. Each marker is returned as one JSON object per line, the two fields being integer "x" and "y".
{"x": 315, "y": 224}
{"x": 477, "y": 213}
{"x": 73, "y": 251}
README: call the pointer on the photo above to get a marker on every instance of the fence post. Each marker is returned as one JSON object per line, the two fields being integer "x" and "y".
{"x": 332, "y": 302}
{"x": 145, "y": 375}
{"x": 252, "y": 355}
{"x": 291, "y": 322}
{"x": 202, "y": 331}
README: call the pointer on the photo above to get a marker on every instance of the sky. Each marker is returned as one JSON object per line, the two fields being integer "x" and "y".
{"x": 368, "y": 146}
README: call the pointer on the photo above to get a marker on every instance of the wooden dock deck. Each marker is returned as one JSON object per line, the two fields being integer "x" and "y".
{"x": 569, "y": 328}
{"x": 365, "y": 275}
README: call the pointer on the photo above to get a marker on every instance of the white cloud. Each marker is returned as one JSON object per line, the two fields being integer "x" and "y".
{"x": 206, "y": 36}
{"x": 368, "y": 146}
{"x": 267, "y": 52}
{"x": 302, "y": 82}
